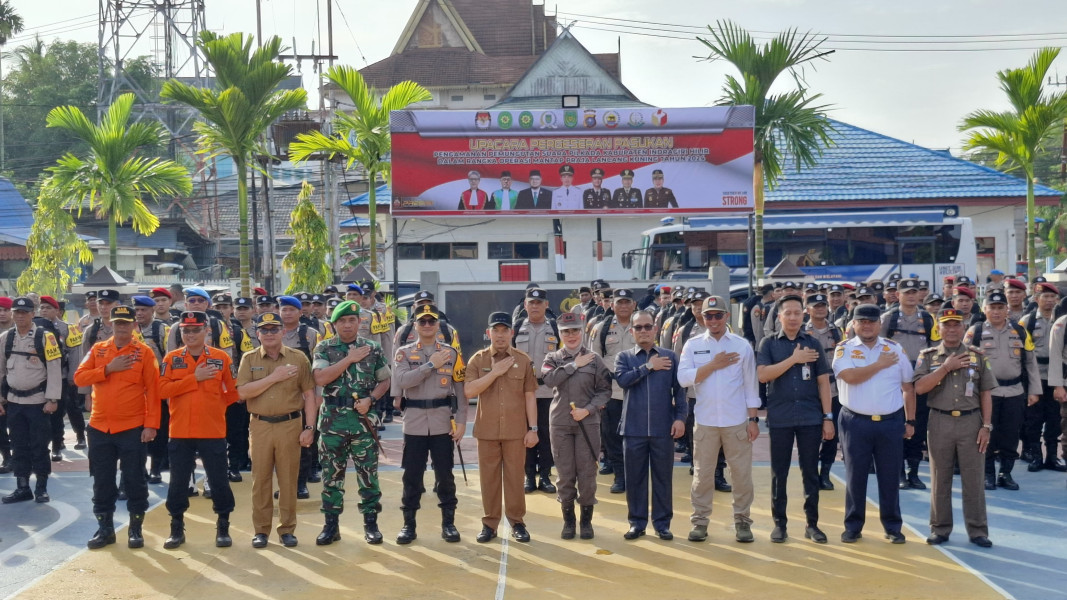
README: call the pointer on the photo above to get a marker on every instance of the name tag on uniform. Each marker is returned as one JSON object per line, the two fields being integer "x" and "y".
{"x": 257, "y": 368}
{"x": 178, "y": 363}
{"x": 702, "y": 352}
{"x": 215, "y": 362}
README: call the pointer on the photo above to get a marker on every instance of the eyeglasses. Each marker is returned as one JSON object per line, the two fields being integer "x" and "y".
{"x": 715, "y": 316}
{"x": 195, "y": 300}
{"x": 269, "y": 330}
{"x": 647, "y": 327}
{"x": 426, "y": 321}
{"x": 192, "y": 330}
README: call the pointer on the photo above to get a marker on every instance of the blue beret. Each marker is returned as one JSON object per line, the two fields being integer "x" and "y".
{"x": 352, "y": 287}
{"x": 289, "y": 301}
{"x": 143, "y": 301}
{"x": 195, "y": 291}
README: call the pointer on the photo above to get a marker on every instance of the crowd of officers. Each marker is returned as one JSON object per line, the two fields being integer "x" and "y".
{"x": 296, "y": 387}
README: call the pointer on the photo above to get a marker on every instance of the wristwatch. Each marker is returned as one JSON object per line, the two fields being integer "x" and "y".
{"x": 910, "y": 422}
{"x": 308, "y": 427}
{"x": 534, "y": 429}
{"x": 828, "y": 416}
{"x": 988, "y": 426}
{"x": 753, "y": 419}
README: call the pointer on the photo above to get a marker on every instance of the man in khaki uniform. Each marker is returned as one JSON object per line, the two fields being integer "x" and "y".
{"x": 959, "y": 382}
{"x": 503, "y": 380}
{"x": 276, "y": 384}
{"x": 608, "y": 338}
{"x": 536, "y": 335}
{"x": 428, "y": 385}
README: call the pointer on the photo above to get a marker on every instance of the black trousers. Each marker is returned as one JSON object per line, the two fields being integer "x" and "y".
{"x": 808, "y": 440}
{"x": 5, "y": 440}
{"x": 309, "y": 460}
{"x": 1045, "y": 415}
{"x": 913, "y": 447}
{"x": 828, "y": 451}
{"x": 120, "y": 449}
{"x": 416, "y": 449}
{"x": 237, "y": 436}
{"x": 539, "y": 458}
{"x": 647, "y": 457}
{"x": 30, "y": 431}
{"x": 612, "y": 441}
{"x": 864, "y": 442}
{"x": 68, "y": 405}
{"x": 157, "y": 448}
{"x": 1007, "y": 423}
{"x": 183, "y": 453}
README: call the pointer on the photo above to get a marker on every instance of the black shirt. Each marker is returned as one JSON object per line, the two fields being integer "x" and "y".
{"x": 792, "y": 401}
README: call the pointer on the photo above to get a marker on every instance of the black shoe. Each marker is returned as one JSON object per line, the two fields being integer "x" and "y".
{"x": 5, "y": 464}
{"x": 721, "y": 485}
{"x": 618, "y": 487}
{"x": 665, "y": 534}
{"x": 914, "y": 482}
{"x": 331, "y": 531}
{"x": 40, "y": 491}
{"x": 207, "y": 493}
{"x": 177, "y": 534}
{"x": 824, "y": 478}
{"x": 518, "y": 531}
{"x": 904, "y": 485}
{"x": 22, "y": 492}
{"x": 195, "y": 492}
{"x": 1055, "y": 464}
{"x": 407, "y": 532}
{"x": 259, "y": 540}
{"x": 546, "y": 486}
{"x": 302, "y": 493}
{"x": 222, "y": 533}
{"x": 585, "y": 524}
{"x": 634, "y": 532}
{"x": 606, "y": 470}
{"x": 234, "y": 476}
{"x": 289, "y": 540}
{"x": 778, "y": 534}
{"x": 1005, "y": 481}
{"x": 530, "y": 484}
{"x": 895, "y": 536}
{"x": 679, "y": 447}
{"x": 105, "y": 533}
{"x": 850, "y": 537}
{"x": 815, "y": 534}
{"x": 371, "y": 534}
{"x": 936, "y": 539}
{"x": 57, "y": 456}
{"x": 123, "y": 496}
{"x": 155, "y": 478}
{"x": 1035, "y": 465}
{"x": 981, "y": 541}
{"x": 135, "y": 537}
{"x": 80, "y": 444}
{"x": 990, "y": 482}
{"x": 686, "y": 458}
{"x": 315, "y": 476}
{"x": 449, "y": 533}
{"x": 486, "y": 535}
{"x": 1027, "y": 455}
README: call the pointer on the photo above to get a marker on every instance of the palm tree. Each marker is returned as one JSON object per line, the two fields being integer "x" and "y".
{"x": 10, "y": 24}
{"x": 113, "y": 179}
{"x": 1017, "y": 135}
{"x": 238, "y": 112}
{"x": 368, "y": 123}
{"x": 789, "y": 122}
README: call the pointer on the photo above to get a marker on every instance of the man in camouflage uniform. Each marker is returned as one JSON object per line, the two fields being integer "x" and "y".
{"x": 354, "y": 375}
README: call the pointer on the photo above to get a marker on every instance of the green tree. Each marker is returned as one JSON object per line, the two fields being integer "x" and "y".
{"x": 56, "y": 251}
{"x": 1018, "y": 135}
{"x": 306, "y": 261}
{"x": 239, "y": 110}
{"x": 113, "y": 179}
{"x": 789, "y": 122}
{"x": 368, "y": 124}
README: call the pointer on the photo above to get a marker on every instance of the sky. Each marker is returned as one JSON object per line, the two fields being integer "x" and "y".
{"x": 909, "y": 69}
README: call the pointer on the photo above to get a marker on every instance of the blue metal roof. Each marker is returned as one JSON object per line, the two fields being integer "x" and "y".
{"x": 355, "y": 222}
{"x": 14, "y": 211}
{"x": 863, "y": 165}
{"x": 382, "y": 195}
{"x": 820, "y": 220}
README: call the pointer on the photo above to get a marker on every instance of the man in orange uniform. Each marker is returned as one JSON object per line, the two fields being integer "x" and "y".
{"x": 125, "y": 417}
{"x": 199, "y": 382}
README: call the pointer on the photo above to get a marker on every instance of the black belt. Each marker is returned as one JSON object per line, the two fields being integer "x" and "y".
{"x": 542, "y": 381}
{"x": 434, "y": 403}
{"x": 877, "y": 418}
{"x": 955, "y": 413}
{"x": 341, "y": 402}
{"x": 1042, "y": 360}
{"x": 30, "y": 392}
{"x": 1009, "y": 382}
{"x": 278, "y": 418}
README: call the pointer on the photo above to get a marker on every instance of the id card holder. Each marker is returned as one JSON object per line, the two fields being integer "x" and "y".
{"x": 805, "y": 372}
{"x": 969, "y": 390}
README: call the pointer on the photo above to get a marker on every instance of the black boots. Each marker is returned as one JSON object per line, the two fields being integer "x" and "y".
{"x": 22, "y": 491}
{"x": 105, "y": 532}
{"x": 135, "y": 537}
{"x": 824, "y": 477}
{"x": 1052, "y": 462}
{"x": 530, "y": 484}
{"x": 370, "y": 529}
{"x": 449, "y": 533}
{"x": 177, "y": 533}
{"x": 913, "y": 476}
{"x": 331, "y": 531}
{"x": 222, "y": 532}
{"x": 569, "y": 522}
{"x": 5, "y": 464}
{"x": 407, "y": 532}
{"x": 40, "y": 493}
{"x": 1004, "y": 480}
{"x": 585, "y": 526}
{"x": 721, "y": 485}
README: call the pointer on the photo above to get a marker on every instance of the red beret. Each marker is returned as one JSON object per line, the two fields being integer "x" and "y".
{"x": 161, "y": 291}
{"x": 1015, "y": 283}
{"x": 965, "y": 291}
{"x": 50, "y": 301}
{"x": 5, "y": 302}
{"x": 259, "y": 291}
{"x": 1041, "y": 288}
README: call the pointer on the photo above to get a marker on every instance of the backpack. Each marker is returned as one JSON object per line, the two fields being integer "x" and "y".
{"x": 1023, "y": 356}
{"x": 522, "y": 321}
{"x": 38, "y": 343}
{"x": 928, "y": 325}
{"x": 302, "y": 333}
{"x": 405, "y": 330}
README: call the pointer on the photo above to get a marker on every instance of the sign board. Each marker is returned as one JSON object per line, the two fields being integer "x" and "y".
{"x": 582, "y": 162}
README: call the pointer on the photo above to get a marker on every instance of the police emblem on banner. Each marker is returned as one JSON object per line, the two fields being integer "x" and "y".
{"x": 590, "y": 119}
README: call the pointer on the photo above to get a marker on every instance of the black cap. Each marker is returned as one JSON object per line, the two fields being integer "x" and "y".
{"x": 996, "y": 297}
{"x": 269, "y": 319}
{"x": 867, "y": 312}
{"x": 964, "y": 280}
{"x": 816, "y": 299}
{"x": 909, "y": 284}
{"x": 318, "y": 298}
{"x": 657, "y": 173}
{"x": 811, "y": 285}
{"x": 192, "y": 318}
{"x": 836, "y": 288}
{"x": 924, "y": 284}
{"x": 424, "y": 295}
{"x": 892, "y": 285}
{"x": 895, "y": 277}
{"x": 23, "y": 303}
{"x": 864, "y": 291}
{"x": 1039, "y": 279}
{"x": 303, "y": 297}
{"x": 330, "y": 289}
{"x": 627, "y": 173}
{"x": 108, "y": 295}
{"x": 536, "y": 294}
{"x": 266, "y": 300}
{"x": 499, "y": 318}
{"x": 242, "y": 301}
{"x": 678, "y": 294}
{"x": 700, "y": 296}
{"x": 222, "y": 299}
{"x": 566, "y": 170}
{"x": 933, "y": 298}
{"x": 122, "y": 313}
{"x": 91, "y": 294}
{"x": 877, "y": 286}
{"x": 790, "y": 284}
{"x": 333, "y": 302}
{"x": 624, "y": 293}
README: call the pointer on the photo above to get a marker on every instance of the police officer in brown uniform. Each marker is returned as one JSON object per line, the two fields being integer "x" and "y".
{"x": 658, "y": 196}
{"x": 428, "y": 386}
{"x": 626, "y": 196}
{"x": 959, "y": 381}
{"x": 597, "y": 196}
{"x": 1010, "y": 351}
{"x": 608, "y": 338}
{"x": 581, "y": 385}
{"x": 536, "y": 335}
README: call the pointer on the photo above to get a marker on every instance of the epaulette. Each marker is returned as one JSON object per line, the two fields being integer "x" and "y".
{"x": 843, "y": 342}
{"x": 976, "y": 350}
{"x": 891, "y": 342}
{"x": 929, "y": 350}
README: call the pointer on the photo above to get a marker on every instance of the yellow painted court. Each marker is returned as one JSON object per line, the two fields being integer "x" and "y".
{"x": 547, "y": 567}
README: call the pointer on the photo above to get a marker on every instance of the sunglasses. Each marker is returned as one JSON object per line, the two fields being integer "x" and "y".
{"x": 269, "y": 330}
{"x": 426, "y": 321}
{"x": 647, "y": 327}
{"x": 715, "y": 316}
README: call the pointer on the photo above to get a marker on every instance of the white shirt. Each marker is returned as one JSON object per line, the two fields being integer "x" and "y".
{"x": 882, "y": 393}
{"x": 724, "y": 397}
{"x": 567, "y": 198}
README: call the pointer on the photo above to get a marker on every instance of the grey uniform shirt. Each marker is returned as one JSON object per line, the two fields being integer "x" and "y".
{"x": 1057, "y": 351}
{"x": 291, "y": 337}
{"x": 415, "y": 377}
{"x": 146, "y": 337}
{"x": 26, "y": 371}
{"x": 588, "y": 387}
{"x": 910, "y": 332}
{"x": 250, "y": 331}
{"x": 679, "y": 342}
{"x": 537, "y": 340}
{"x": 1042, "y": 330}
{"x": 828, "y": 341}
{"x": 620, "y": 337}
{"x": 1005, "y": 351}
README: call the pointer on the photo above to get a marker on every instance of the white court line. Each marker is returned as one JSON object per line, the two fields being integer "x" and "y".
{"x": 502, "y": 574}
{"x": 67, "y": 515}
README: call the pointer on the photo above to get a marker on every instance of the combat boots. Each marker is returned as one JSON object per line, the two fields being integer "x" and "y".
{"x": 1004, "y": 480}
{"x": 5, "y": 464}
{"x": 568, "y": 522}
{"x": 105, "y": 532}
{"x": 449, "y": 533}
{"x": 136, "y": 537}
{"x": 585, "y": 526}
{"x": 913, "y": 476}
{"x": 22, "y": 491}
{"x": 177, "y": 533}
{"x": 222, "y": 532}
{"x": 824, "y": 478}
{"x": 331, "y": 531}
{"x": 1052, "y": 462}
{"x": 407, "y": 532}
{"x": 370, "y": 528}
{"x": 40, "y": 492}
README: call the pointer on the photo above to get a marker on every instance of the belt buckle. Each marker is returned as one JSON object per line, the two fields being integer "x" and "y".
{"x": 876, "y": 418}
{"x": 955, "y": 413}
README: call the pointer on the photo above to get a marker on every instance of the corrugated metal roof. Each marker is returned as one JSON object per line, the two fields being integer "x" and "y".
{"x": 355, "y": 222}
{"x": 382, "y": 196}
{"x": 14, "y": 211}
{"x": 162, "y": 238}
{"x": 864, "y": 165}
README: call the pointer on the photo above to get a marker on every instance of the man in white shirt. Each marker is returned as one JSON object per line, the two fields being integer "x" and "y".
{"x": 722, "y": 368}
{"x": 566, "y": 197}
{"x": 878, "y": 408}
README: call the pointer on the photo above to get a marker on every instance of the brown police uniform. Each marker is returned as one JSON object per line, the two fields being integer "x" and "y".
{"x": 275, "y": 434}
{"x": 537, "y": 340}
{"x": 660, "y": 198}
{"x": 954, "y": 422}
{"x": 500, "y": 426}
